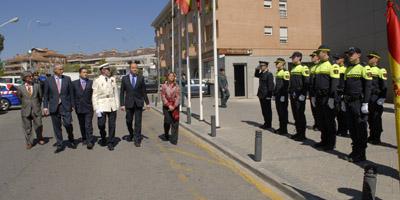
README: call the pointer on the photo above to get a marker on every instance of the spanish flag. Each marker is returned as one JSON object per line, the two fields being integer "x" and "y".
{"x": 393, "y": 36}
{"x": 184, "y": 6}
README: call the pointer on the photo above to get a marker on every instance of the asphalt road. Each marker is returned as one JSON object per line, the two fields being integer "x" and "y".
{"x": 157, "y": 170}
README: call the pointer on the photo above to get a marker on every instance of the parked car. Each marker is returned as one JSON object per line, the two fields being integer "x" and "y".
{"x": 8, "y": 97}
{"x": 195, "y": 87}
{"x": 151, "y": 85}
{"x": 14, "y": 80}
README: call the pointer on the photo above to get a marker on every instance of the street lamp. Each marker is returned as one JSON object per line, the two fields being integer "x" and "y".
{"x": 13, "y": 20}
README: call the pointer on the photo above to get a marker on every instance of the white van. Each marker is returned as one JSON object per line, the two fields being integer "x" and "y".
{"x": 15, "y": 80}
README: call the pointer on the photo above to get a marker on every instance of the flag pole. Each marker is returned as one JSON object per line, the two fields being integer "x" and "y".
{"x": 199, "y": 52}
{"x": 180, "y": 59}
{"x": 216, "y": 102}
{"x": 173, "y": 36}
{"x": 189, "y": 106}
{"x": 393, "y": 36}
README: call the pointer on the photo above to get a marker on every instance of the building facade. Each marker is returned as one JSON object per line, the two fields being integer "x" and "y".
{"x": 247, "y": 32}
{"x": 360, "y": 23}
{"x": 41, "y": 60}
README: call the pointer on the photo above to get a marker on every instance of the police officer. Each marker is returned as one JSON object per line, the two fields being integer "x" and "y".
{"x": 341, "y": 107}
{"x": 282, "y": 78}
{"x": 265, "y": 91}
{"x": 315, "y": 60}
{"x": 223, "y": 87}
{"x": 298, "y": 87}
{"x": 378, "y": 97}
{"x": 106, "y": 103}
{"x": 357, "y": 93}
{"x": 325, "y": 87}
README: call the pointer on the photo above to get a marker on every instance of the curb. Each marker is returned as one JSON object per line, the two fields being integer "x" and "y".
{"x": 263, "y": 174}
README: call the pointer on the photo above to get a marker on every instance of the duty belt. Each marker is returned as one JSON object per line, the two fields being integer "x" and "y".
{"x": 351, "y": 98}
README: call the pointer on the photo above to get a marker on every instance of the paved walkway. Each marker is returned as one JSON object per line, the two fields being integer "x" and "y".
{"x": 298, "y": 166}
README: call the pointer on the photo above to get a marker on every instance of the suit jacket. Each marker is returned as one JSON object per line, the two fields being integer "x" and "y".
{"x": 31, "y": 104}
{"x": 129, "y": 96}
{"x": 266, "y": 84}
{"x": 52, "y": 98}
{"x": 82, "y": 97}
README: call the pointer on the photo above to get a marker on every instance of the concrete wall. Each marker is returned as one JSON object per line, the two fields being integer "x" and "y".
{"x": 360, "y": 23}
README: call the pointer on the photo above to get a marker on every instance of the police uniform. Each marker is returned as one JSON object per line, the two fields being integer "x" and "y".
{"x": 106, "y": 103}
{"x": 311, "y": 93}
{"x": 264, "y": 93}
{"x": 325, "y": 87}
{"x": 357, "y": 93}
{"x": 223, "y": 89}
{"x": 378, "y": 96}
{"x": 282, "y": 78}
{"x": 342, "y": 129}
{"x": 298, "y": 87}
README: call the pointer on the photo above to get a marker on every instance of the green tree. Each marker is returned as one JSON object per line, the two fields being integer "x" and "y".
{"x": 71, "y": 68}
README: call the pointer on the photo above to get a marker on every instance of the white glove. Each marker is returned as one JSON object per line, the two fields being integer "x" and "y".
{"x": 331, "y": 103}
{"x": 380, "y": 101}
{"x": 364, "y": 108}
{"x": 343, "y": 106}
{"x": 282, "y": 99}
{"x": 313, "y": 101}
{"x": 99, "y": 113}
{"x": 302, "y": 98}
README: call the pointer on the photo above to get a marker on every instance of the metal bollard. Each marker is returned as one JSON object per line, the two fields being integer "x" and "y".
{"x": 369, "y": 183}
{"x": 213, "y": 126}
{"x": 155, "y": 104}
{"x": 258, "y": 146}
{"x": 189, "y": 116}
{"x": 152, "y": 98}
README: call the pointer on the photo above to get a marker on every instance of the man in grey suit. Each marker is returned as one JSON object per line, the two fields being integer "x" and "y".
{"x": 30, "y": 94}
{"x": 58, "y": 103}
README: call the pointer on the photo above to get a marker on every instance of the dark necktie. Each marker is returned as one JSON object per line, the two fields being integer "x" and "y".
{"x": 133, "y": 81}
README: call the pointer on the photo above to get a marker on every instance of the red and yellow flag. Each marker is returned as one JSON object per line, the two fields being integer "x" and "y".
{"x": 393, "y": 36}
{"x": 184, "y": 6}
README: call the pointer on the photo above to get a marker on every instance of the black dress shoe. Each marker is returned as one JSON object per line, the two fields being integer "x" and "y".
{"x": 328, "y": 148}
{"x": 319, "y": 145}
{"x": 111, "y": 147}
{"x": 174, "y": 142}
{"x": 72, "y": 145}
{"x": 166, "y": 137}
{"x": 59, "y": 149}
{"x": 103, "y": 142}
{"x": 90, "y": 146}
{"x": 137, "y": 144}
{"x": 295, "y": 136}
{"x": 300, "y": 138}
{"x": 129, "y": 138}
{"x": 355, "y": 158}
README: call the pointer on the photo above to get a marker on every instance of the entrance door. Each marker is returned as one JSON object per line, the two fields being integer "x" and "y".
{"x": 240, "y": 83}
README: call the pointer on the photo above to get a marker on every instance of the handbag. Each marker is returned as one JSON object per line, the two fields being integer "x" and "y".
{"x": 175, "y": 114}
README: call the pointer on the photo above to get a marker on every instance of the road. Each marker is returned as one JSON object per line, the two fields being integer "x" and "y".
{"x": 157, "y": 170}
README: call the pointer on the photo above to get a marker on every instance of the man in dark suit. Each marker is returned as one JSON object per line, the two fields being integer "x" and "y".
{"x": 58, "y": 103}
{"x": 132, "y": 97}
{"x": 82, "y": 92}
{"x": 265, "y": 92}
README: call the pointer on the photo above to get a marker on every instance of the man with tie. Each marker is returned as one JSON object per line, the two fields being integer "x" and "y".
{"x": 30, "y": 94}
{"x": 58, "y": 103}
{"x": 106, "y": 103}
{"x": 132, "y": 97}
{"x": 82, "y": 92}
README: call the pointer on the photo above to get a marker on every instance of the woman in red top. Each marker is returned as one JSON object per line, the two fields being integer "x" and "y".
{"x": 170, "y": 95}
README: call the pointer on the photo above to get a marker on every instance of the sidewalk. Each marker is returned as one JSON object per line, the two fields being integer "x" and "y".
{"x": 298, "y": 166}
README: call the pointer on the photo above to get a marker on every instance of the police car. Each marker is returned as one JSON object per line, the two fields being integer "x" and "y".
{"x": 8, "y": 96}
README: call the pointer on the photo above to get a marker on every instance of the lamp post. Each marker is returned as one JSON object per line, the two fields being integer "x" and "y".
{"x": 13, "y": 20}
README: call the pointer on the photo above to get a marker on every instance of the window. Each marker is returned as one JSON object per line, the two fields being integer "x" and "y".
{"x": 282, "y": 8}
{"x": 267, "y": 3}
{"x": 268, "y": 30}
{"x": 283, "y": 32}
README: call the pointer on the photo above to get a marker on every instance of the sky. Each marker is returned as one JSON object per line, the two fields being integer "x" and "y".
{"x": 72, "y": 26}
